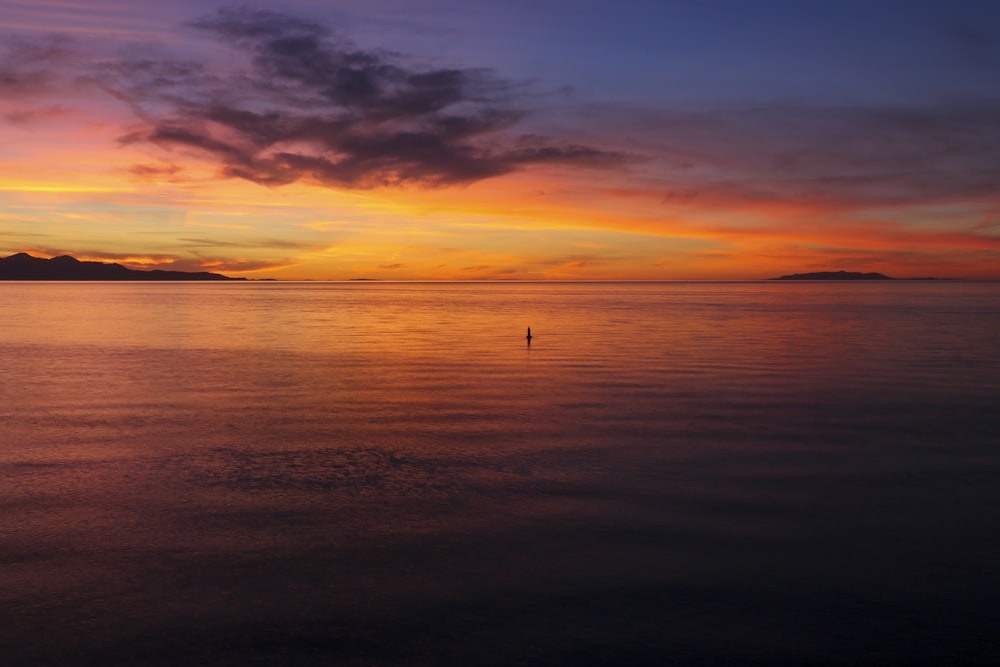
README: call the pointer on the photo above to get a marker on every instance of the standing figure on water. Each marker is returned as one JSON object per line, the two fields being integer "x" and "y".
{"x": 529, "y": 335}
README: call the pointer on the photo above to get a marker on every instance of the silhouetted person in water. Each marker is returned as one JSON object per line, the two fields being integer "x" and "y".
{"x": 529, "y": 336}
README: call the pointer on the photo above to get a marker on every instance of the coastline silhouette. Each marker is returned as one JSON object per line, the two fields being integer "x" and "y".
{"x": 23, "y": 266}
{"x": 835, "y": 275}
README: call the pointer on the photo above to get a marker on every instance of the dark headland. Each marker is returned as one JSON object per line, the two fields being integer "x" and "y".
{"x": 835, "y": 275}
{"x": 23, "y": 266}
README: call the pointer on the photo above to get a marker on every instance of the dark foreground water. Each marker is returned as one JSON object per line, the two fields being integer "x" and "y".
{"x": 386, "y": 474}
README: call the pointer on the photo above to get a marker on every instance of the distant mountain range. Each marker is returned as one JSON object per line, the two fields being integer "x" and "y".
{"x": 835, "y": 275}
{"x": 23, "y": 266}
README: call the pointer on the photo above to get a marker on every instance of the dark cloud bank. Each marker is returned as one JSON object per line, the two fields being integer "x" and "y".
{"x": 309, "y": 105}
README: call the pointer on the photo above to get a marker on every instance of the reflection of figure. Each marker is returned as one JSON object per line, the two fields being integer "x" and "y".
{"x": 529, "y": 335}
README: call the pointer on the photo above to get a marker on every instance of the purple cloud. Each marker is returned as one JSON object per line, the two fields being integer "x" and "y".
{"x": 312, "y": 106}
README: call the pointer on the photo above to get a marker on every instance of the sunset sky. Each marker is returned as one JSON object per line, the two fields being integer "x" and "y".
{"x": 476, "y": 139}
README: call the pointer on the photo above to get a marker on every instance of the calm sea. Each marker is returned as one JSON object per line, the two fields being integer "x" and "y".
{"x": 389, "y": 474}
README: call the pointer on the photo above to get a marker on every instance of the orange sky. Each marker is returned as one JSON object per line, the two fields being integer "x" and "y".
{"x": 237, "y": 162}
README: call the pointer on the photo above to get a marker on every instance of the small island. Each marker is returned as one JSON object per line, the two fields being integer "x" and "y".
{"x": 835, "y": 275}
{"x": 23, "y": 266}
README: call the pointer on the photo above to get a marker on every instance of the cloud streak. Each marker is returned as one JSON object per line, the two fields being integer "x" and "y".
{"x": 311, "y": 106}
{"x": 830, "y": 158}
{"x": 28, "y": 67}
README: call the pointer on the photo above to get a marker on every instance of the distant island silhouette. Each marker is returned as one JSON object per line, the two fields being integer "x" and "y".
{"x": 23, "y": 266}
{"x": 835, "y": 275}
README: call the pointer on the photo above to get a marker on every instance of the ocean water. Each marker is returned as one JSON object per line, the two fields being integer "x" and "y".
{"x": 389, "y": 474}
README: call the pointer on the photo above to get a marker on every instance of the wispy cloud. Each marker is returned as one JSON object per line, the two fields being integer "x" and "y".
{"x": 151, "y": 173}
{"x": 823, "y": 157}
{"x": 28, "y": 67}
{"x": 252, "y": 244}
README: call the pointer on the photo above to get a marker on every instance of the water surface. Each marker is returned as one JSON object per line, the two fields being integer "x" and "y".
{"x": 388, "y": 474}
